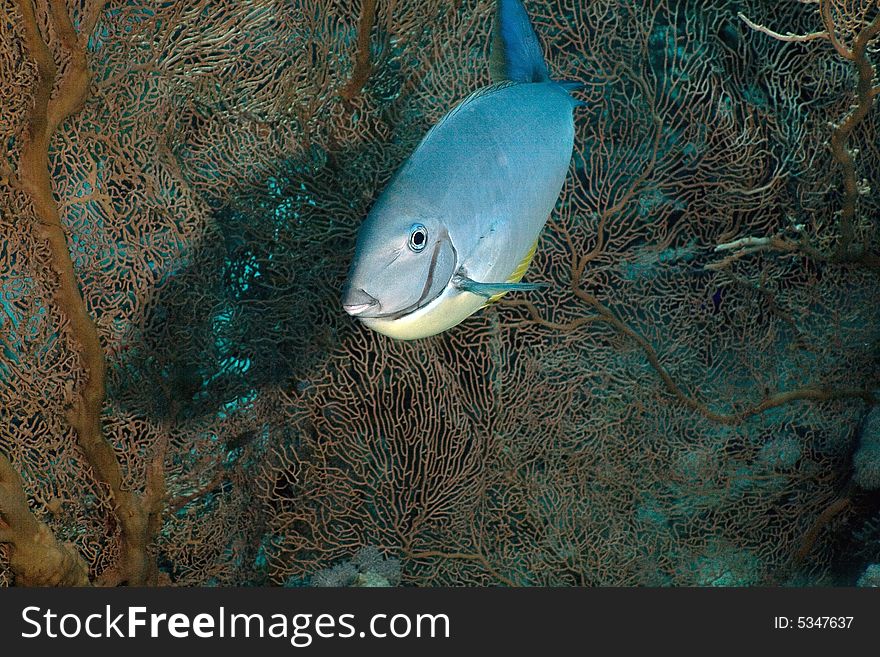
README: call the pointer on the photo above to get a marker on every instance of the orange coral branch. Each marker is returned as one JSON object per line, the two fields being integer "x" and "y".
{"x": 828, "y": 20}
{"x": 45, "y": 117}
{"x": 466, "y": 556}
{"x": 809, "y": 392}
{"x": 804, "y": 393}
{"x": 537, "y": 319}
{"x": 839, "y": 505}
{"x": 864, "y": 101}
{"x": 865, "y": 92}
{"x": 363, "y": 67}
{"x": 37, "y": 558}
{"x": 180, "y": 502}
{"x": 92, "y": 16}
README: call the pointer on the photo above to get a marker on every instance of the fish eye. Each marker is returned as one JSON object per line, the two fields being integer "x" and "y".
{"x": 418, "y": 237}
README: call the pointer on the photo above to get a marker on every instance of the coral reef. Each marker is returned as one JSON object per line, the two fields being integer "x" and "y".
{"x": 368, "y": 568}
{"x": 183, "y": 400}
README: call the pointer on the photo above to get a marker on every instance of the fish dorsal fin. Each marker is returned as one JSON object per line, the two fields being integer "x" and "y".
{"x": 517, "y": 274}
{"x": 516, "y": 52}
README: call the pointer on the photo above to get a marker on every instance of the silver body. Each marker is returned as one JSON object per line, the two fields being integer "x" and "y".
{"x": 492, "y": 171}
{"x": 486, "y": 179}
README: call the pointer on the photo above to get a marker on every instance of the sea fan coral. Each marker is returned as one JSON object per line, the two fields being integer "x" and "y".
{"x": 184, "y": 401}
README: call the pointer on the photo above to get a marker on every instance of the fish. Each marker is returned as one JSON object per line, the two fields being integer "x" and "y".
{"x": 459, "y": 223}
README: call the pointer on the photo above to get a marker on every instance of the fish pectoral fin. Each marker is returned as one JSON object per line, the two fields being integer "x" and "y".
{"x": 489, "y": 290}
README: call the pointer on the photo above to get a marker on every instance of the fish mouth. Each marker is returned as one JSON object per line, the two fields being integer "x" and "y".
{"x": 362, "y": 311}
{"x": 358, "y": 308}
{"x": 358, "y": 301}
{"x": 425, "y": 297}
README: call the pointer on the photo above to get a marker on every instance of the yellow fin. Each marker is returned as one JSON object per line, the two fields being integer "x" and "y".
{"x": 518, "y": 273}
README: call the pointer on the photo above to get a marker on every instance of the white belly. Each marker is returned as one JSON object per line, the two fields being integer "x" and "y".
{"x": 444, "y": 312}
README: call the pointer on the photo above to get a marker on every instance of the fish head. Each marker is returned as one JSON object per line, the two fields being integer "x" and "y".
{"x": 401, "y": 263}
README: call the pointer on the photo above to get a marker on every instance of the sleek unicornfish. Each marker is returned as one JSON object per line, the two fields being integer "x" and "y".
{"x": 458, "y": 225}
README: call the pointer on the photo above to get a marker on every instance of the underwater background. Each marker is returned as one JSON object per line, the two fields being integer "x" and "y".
{"x": 662, "y": 413}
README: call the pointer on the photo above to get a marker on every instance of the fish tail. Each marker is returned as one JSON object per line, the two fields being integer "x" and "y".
{"x": 516, "y": 51}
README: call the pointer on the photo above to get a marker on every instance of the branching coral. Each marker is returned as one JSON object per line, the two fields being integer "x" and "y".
{"x": 37, "y": 557}
{"x": 860, "y": 23}
{"x": 368, "y": 568}
{"x": 56, "y": 97}
{"x": 180, "y": 187}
